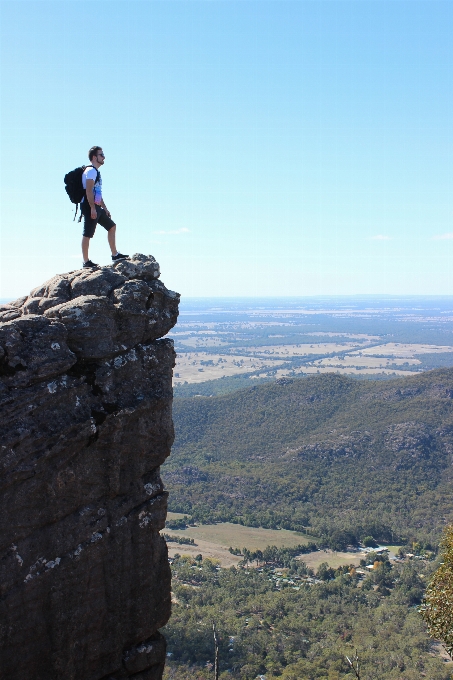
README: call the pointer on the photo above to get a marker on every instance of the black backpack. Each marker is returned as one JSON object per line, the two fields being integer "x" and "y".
{"x": 74, "y": 187}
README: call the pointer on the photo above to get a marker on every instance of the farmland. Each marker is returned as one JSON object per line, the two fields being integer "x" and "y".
{"x": 222, "y": 346}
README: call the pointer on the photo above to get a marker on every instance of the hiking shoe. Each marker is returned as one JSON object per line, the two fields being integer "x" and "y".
{"x": 90, "y": 265}
{"x": 119, "y": 256}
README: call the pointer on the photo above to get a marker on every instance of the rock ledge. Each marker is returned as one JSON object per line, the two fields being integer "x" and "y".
{"x": 85, "y": 398}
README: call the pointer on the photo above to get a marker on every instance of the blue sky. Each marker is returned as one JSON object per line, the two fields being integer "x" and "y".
{"x": 254, "y": 148}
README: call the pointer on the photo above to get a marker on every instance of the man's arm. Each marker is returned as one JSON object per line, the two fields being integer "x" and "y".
{"x": 105, "y": 207}
{"x": 90, "y": 198}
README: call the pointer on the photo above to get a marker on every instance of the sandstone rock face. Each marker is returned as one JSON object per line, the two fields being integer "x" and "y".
{"x": 85, "y": 399}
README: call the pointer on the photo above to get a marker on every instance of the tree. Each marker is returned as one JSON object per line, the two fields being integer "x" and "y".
{"x": 216, "y": 652}
{"x": 325, "y": 573}
{"x": 354, "y": 664}
{"x": 370, "y": 542}
{"x": 437, "y": 609}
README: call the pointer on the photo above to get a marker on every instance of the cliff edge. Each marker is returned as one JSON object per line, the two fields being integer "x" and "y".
{"x": 85, "y": 404}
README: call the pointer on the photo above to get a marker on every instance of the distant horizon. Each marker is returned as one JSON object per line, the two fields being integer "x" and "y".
{"x": 293, "y": 298}
{"x": 308, "y": 297}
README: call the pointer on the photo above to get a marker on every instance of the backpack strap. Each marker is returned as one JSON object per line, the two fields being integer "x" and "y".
{"x": 97, "y": 172}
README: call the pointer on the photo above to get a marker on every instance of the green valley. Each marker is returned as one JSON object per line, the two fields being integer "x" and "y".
{"x": 328, "y": 455}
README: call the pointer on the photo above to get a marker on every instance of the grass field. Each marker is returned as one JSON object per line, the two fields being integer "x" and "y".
{"x": 282, "y": 351}
{"x": 396, "y": 349}
{"x": 213, "y": 541}
{"x": 199, "y": 367}
{"x": 333, "y": 559}
{"x": 238, "y": 536}
{"x": 365, "y": 361}
{"x": 176, "y": 515}
{"x": 205, "y": 548}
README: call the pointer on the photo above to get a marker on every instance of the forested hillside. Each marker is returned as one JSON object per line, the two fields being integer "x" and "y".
{"x": 291, "y": 630}
{"x": 338, "y": 457}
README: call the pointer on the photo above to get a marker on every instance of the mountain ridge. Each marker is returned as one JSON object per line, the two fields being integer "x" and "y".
{"x": 343, "y": 457}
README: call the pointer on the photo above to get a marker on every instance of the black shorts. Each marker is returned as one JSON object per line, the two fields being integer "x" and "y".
{"x": 89, "y": 225}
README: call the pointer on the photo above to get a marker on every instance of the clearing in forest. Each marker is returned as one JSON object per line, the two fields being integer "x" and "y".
{"x": 227, "y": 534}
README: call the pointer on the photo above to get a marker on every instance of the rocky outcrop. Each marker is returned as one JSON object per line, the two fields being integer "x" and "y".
{"x": 85, "y": 398}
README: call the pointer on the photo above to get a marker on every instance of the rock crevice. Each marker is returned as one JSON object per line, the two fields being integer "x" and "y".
{"x": 85, "y": 399}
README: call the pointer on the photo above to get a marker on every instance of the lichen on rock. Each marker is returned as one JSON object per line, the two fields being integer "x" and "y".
{"x": 85, "y": 398}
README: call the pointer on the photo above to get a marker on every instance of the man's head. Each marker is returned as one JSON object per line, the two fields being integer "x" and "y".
{"x": 96, "y": 155}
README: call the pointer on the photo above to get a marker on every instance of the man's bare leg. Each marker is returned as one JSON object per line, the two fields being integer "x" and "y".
{"x": 111, "y": 235}
{"x": 85, "y": 246}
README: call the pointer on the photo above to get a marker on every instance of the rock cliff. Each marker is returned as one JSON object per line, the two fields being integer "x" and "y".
{"x": 85, "y": 399}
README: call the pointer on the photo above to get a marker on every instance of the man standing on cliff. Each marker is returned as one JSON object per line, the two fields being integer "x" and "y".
{"x": 94, "y": 210}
